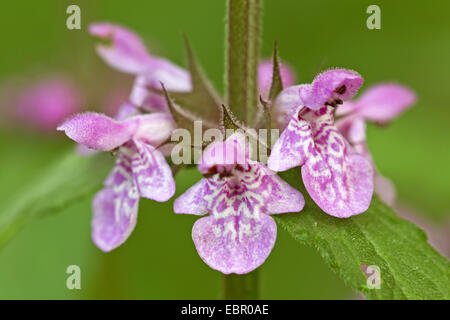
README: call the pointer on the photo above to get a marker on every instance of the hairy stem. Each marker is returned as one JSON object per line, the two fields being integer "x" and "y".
{"x": 242, "y": 40}
{"x": 242, "y": 286}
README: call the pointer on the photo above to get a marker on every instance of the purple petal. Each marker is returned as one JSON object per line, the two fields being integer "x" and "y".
{"x": 265, "y": 72}
{"x": 331, "y": 86}
{"x": 141, "y": 96}
{"x": 347, "y": 108}
{"x": 115, "y": 208}
{"x": 166, "y": 149}
{"x": 293, "y": 146}
{"x": 84, "y": 151}
{"x": 126, "y": 110}
{"x": 47, "y": 102}
{"x": 194, "y": 200}
{"x": 278, "y": 195}
{"x": 152, "y": 174}
{"x": 339, "y": 182}
{"x": 154, "y": 128}
{"x": 173, "y": 77}
{"x": 255, "y": 189}
{"x": 286, "y": 104}
{"x": 238, "y": 235}
{"x": 98, "y": 131}
{"x": 341, "y": 186}
{"x": 160, "y": 71}
{"x": 223, "y": 155}
{"x": 231, "y": 247}
{"x": 384, "y": 102}
{"x": 353, "y": 128}
{"x": 126, "y": 52}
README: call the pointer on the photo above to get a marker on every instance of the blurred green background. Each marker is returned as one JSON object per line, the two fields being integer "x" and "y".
{"x": 159, "y": 260}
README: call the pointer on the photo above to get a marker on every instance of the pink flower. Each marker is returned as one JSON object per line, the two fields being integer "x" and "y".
{"x": 265, "y": 72}
{"x": 337, "y": 179}
{"x": 379, "y": 104}
{"x": 140, "y": 170}
{"x": 127, "y": 53}
{"x": 46, "y": 102}
{"x": 239, "y": 194}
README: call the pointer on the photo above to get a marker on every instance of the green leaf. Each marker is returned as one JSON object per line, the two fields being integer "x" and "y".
{"x": 63, "y": 183}
{"x": 410, "y": 267}
{"x": 203, "y": 99}
{"x": 243, "y": 42}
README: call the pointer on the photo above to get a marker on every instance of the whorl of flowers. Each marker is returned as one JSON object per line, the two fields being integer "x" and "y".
{"x": 323, "y": 132}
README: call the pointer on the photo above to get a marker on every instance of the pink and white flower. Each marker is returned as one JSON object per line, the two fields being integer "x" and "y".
{"x": 240, "y": 194}
{"x": 338, "y": 179}
{"x": 140, "y": 170}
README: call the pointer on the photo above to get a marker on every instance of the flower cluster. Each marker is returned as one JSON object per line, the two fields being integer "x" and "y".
{"x": 238, "y": 192}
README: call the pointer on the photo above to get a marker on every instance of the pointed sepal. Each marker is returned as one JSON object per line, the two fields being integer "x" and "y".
{"x": 277, "y": 82}
{"x": 182, "y": 117}
{"x": 265, "y": 108}
{"x": 228, "y": 120}
{"x": 203, "y": 98}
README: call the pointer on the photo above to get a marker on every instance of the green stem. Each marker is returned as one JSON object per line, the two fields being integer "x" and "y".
{"x": 242, "y": 39}
{"x": 241, "y": 286}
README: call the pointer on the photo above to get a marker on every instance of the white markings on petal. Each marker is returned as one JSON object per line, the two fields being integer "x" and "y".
{"x": 152, "y": 174}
